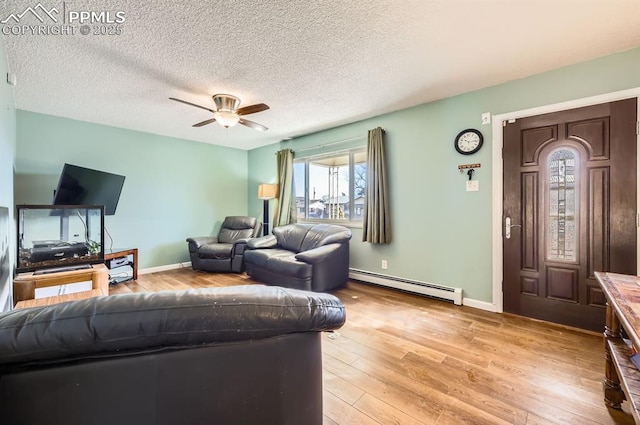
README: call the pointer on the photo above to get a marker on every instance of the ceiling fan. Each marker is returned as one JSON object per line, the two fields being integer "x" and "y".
{"x": 227, "y": 113}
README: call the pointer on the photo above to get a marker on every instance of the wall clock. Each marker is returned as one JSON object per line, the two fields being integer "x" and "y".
{"x": 468, "y": 141}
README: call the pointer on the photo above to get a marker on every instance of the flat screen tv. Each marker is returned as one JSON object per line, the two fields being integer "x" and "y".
{"x": 85, "y": 186}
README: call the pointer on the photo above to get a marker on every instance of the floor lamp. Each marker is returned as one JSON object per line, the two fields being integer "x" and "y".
{"x": 266, "y": 192}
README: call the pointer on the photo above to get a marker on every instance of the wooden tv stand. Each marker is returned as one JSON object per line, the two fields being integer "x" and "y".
{"x": 622, "y": 377}
{"x": 25, "y": 284}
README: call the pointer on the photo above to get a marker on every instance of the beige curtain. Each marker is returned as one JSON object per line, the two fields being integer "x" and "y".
{"x": 377, "y": 222}
{"x": 286, "y": 202}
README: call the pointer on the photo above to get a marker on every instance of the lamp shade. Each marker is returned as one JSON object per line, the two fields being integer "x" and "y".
{"x": 267, "y": 191}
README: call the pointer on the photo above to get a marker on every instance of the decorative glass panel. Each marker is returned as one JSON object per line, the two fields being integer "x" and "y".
{"x": 562, "y": 204}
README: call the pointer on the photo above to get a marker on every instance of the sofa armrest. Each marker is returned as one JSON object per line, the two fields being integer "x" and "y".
{"x": 239, "y": 246}
{"x": 319, "y": 254}
{"x": 268, "y": 241}
{"x": 196, "y": 243}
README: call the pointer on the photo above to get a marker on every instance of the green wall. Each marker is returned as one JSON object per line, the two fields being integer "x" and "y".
{"x": 441, "y": 233}
{"x": 7, "y": 158}
{"x": 173, "y": 189}
{"x": 261, "y": 170}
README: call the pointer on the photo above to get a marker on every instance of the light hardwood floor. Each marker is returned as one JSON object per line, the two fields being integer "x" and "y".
{"x": 406, "y": 359}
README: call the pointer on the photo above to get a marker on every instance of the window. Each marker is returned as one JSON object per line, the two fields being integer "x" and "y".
{"x": 332, "y": 186}
{"x": 563, "y": 206}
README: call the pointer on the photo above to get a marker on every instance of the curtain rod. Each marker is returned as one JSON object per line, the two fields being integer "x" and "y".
{"x": 337, "y": 142}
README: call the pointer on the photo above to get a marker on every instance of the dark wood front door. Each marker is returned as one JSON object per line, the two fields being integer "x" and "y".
{"x": 570, "y": 197}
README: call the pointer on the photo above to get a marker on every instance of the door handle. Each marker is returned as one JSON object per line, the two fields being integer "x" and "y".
{"x": 508, "y": 226}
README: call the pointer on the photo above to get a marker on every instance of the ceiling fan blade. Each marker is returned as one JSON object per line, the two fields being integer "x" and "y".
{"x": 252, "y": 109}
{"x": 192, "y": 104}
{"x": 252, "y": 124}
{"x": 200, "y": 124}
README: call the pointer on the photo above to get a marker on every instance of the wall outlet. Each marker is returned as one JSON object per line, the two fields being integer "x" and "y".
{"x": 384, "y": 264}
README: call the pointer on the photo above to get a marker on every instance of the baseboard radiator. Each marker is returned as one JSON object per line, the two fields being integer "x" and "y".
{"x": 423, "y": 288}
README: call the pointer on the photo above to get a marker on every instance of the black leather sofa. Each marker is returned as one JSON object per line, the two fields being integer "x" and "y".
{"x": 313, "y": 257}
{"x": 232, "y": 355}
{"x": 224, "y": 253}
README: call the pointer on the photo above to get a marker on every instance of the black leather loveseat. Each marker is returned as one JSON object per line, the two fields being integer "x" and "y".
{"x": 304, "y": 256}
{"x": 233, "y": 355}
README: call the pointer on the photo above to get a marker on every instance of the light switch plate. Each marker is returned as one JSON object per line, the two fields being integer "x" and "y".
{"x": 473, "y": 185}
{"x": 486, "y": 118}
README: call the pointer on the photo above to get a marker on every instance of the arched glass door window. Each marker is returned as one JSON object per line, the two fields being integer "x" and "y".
{"x": 562, "y": 201}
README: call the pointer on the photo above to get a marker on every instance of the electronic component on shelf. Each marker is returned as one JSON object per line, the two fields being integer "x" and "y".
{"x": 118, "y": 262}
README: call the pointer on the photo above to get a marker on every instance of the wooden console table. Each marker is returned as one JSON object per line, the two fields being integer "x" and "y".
{"x": 622, "y": 377}
{"x": 25, "y": 284}
{"x": 119, "y": 252}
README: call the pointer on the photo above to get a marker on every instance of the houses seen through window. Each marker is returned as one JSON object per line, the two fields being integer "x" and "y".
{"x": 331, "y": 187}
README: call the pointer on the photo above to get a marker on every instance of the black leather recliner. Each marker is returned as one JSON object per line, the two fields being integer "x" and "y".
{"x": 313, "y": 257}
{"x": 224, "y": 253}
{"x": 232, "y": 355}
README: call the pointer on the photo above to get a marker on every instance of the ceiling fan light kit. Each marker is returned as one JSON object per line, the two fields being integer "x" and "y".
{"x": 228, "y": 112}
{"x": 226, "y": 118}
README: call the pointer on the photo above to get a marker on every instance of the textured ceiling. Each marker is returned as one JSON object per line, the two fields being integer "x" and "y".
{"x": 317, "y": 64}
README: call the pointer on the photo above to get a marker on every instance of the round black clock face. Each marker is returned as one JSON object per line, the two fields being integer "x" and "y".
{"x": 468, "y": 141}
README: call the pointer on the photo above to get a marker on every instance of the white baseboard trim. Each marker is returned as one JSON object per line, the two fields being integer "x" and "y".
{"x": 481, "y": 305}
{"x": 165, "y": 268}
